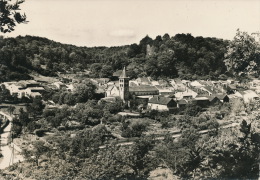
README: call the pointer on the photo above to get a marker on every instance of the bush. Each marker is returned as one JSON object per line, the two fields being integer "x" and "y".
{"x": 39, "y": 132}
{"x": 33, "y": 126}
{"x": 115, "y": 118}
{"x": 133, "y": 130}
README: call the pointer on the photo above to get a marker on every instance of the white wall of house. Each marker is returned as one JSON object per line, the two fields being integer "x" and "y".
{"x": 158, "y": 107}
{"x": 250, "y": 97}
{"x": 237, "y": 94}
{"x": 113, "y": 92}
{"x": 180, "y": 95}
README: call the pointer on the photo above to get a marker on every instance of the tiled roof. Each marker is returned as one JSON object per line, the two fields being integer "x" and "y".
{"x": 231, "y": 86}
{"x": 221, "y": 96}
{"x": 111, "y": 87}
{"x": 212, "y": 97}
{"x": 182, "y": 101}
{"x": 160, "y": 100}
{"x": 177, "y": 81}
{"x": 201, "y": 98}
{"x": 209, "y": 88}
{"x": 142, "y": 88}
{"x": 143, "y": 79}
{"x": 242, "y": 92}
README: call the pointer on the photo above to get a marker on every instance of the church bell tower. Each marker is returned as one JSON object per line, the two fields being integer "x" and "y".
{"x": 124, "y": 86}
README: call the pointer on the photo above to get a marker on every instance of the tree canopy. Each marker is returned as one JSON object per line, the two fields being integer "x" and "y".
{"x": 243, "y": 55}
{"x": 10, "y": 15}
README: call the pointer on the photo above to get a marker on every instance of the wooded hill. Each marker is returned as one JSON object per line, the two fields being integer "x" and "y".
{"x": 181, "y": 56}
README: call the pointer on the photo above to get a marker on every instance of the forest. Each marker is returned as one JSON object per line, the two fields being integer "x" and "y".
{"x": 182, "y": 56}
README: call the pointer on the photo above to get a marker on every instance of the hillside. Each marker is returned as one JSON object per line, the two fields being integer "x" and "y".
{"x": 182, "y": 56}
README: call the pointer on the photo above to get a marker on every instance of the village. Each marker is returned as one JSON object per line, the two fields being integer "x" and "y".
{"x": 129, "y": 90}
{"x": 161, "y": 95}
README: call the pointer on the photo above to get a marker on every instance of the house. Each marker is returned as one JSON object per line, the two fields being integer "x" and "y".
{"x": 133, "y": 83}
{"x": 187, "y": 94}
{"x": 196, "y": 84}
{"x": 30, "y": 83}
{"x": 250, "y": 96}
{"x": 208, "y": 89}
{"x": 33, "y": 91}
{"x": 222, "y": 97}
{"x": 35, "y": 94}
{"x": 59, "y": 85}
{"x": 161, "y": 103}
{"x": 201, "y": 101}
{"x": 240, "y": 94}
{"x": 155, "y": 83}
{"x": 182, "y": 103}
{"x": 23, "y": 88}
{"x": 186, "y": 82}
{"x": 112, "y": 91}
{"x": 164, "y": 83}
{"x": 231, "y": 89}
{"x": 16, "y": 89}
{"x": 143, "y": 81}
{"x": 143, "y": 90}
{"x": 247, "y": 95}
{"x": 213, "y": 100}
{"x": 176, "y": 81}
{"x": 165, "y": 90}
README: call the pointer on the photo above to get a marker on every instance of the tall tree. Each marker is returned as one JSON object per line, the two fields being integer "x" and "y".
{"x": 10, "y": 15}
{"x": 85, "y": 91}
{"x": 243, "y": 55}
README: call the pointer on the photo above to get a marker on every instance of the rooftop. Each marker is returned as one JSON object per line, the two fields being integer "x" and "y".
{"x": 142, "y": 88}
{"x": 160, "y": 100}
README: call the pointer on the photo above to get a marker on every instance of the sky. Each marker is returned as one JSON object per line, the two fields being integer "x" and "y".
{"x": 121, "y": 22}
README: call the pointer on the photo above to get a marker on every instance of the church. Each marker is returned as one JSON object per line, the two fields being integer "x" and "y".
{"x": 125, "y": 92}
{"x": 122, "y": 89}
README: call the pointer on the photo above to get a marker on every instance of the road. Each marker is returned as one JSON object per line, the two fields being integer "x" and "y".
{"x": 6, "y": 150}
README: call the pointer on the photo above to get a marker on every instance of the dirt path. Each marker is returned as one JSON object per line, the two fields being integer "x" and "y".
{"x": 6, "y": 150}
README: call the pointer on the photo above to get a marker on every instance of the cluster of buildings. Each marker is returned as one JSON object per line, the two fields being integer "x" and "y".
{"x": 32, "y": 88}
{"x": 25, "y": 88}
{"x": 161, "y": 95}
{"x": 176, "y": 93}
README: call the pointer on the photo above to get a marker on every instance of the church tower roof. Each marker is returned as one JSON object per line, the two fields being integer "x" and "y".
{"x": 123, "y": 75}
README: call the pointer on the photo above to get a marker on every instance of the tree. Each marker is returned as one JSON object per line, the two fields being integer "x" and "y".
{"x": 11, "y": 109}
{"x": 24, "y": 117}
{"x": 85, "y": 91}
{"x": 10, "y": 15}
{"x": 114, "y": 107}
{"x": 36, "y": 107}
{"x": 16, "y": 127}
{"x": 243, "y": 55}
{"x": 115, "y": 162}
{"x": 106, "y": 71}
{"x": 235, "y": 154}
{"x": 39, "y": 149}
{"x": 96, "y": 69}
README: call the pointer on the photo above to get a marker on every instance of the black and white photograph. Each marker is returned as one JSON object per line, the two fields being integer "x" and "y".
{"x": 129, "y": 89}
